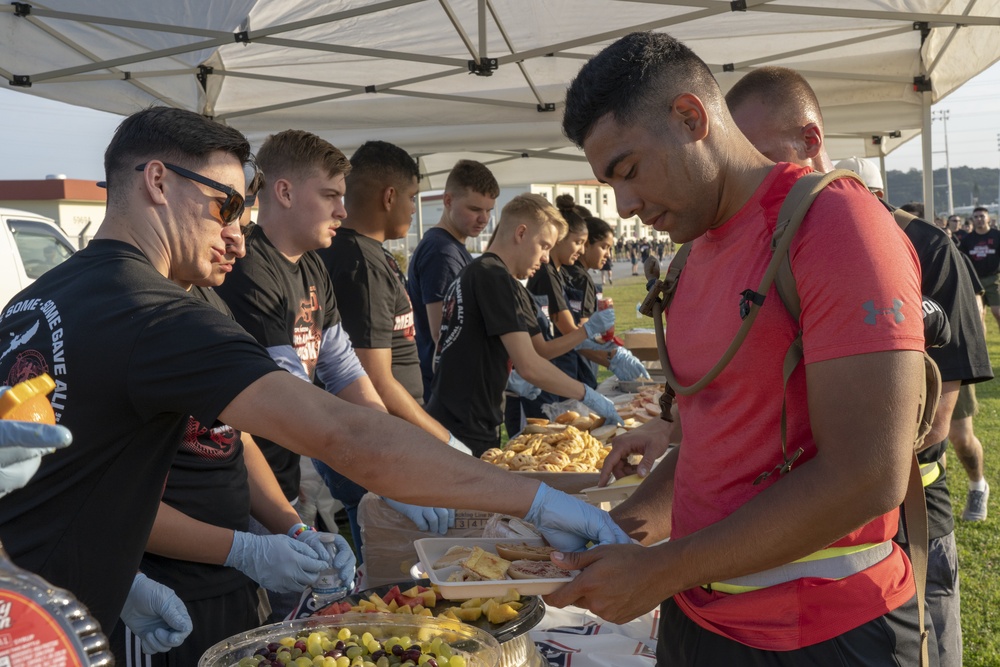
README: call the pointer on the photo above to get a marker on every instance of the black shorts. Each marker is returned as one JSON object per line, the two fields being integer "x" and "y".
{"x": 214, "y": 619}
{"x": 888, "y": 641}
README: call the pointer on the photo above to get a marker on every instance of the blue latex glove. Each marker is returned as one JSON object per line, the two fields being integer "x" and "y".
{"x": 455, "y": 443}
{"x": 625, "y": 366}
{"x": 276, "y": 562}
{"x": 591, "y": 344}
{"x": 428, "y": 519}
{"x": 155, "y": 615}
{"x": 599, "y": 322}
{"x": 22, "y": 446}
{"x": 522, "y": 387}
{"x": 340, "y": 557}
{"x": 568, "y": 524}
{"x": 602, "y": 406}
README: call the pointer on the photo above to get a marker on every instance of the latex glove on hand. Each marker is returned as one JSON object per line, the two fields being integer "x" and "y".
{"x": 428, "y": 519}
{"x": 522, "y": 387}
{"x": 568, "y": 524}
{"x": 626, "y": 366}
{"x": 155, "y": 615}
{"x": 22, "y": 446}
{"x": 276, "y": 562}
{"x": 339, "y": 554}
{"x": 599, "y": 322}
{"x": 455, "y": 443}
{"x": 601, "y": 405}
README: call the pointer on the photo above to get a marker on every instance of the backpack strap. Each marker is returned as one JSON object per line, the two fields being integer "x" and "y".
{"x": 790, "y": 216}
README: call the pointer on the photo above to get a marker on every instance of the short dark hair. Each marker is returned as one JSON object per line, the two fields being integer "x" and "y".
{"x": 784, "y": 90}
{"x": 170, "y": 135}
{"x": 567, "y": 208}
{"x": 980, "y": 208}
{"x": 914, "y": 207}
{"x": 296, "y": 154}
{"x": 472, "y": 175}
{"x": 379, "y": 164}
{"x": 597, "y": 229}
{"x": 631, "y": 78}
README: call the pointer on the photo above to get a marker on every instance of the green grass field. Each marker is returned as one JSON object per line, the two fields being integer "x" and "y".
{"x": 978, "y": 543}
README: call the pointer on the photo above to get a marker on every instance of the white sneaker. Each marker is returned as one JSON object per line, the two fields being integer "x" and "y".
{"x": 975, "y": 505}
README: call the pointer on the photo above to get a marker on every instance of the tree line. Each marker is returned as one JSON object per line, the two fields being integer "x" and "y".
{"x": 969, "y": 186}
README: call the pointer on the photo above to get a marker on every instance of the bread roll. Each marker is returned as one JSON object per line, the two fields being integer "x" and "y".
{"x": 567, "y": 417}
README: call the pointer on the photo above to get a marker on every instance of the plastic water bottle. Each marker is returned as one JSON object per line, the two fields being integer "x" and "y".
{"x": 328, "y": 588}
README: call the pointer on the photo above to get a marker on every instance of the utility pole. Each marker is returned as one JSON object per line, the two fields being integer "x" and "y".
{"x": 943, "y": 116}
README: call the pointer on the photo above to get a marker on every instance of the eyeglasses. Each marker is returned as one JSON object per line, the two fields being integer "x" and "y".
{"x": 256, "y": 183}
{"x": 232, "y": 207}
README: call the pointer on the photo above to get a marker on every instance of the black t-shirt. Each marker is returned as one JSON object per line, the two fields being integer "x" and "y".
{"x": 373, "y": 304}
{"x": 434, "y": 265}
{"x": 945, "y": 279}
{"x": 289, "y": 308}
{"x": 577, "y": 278}
{"x": 548, "y": 282}
{"x": 133, "y": 356}
{"x": 982, "y": 250}
{"x": 472, "y": 363}
{"x": 207, "y": 482}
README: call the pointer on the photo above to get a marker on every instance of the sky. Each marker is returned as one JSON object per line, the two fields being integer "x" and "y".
{"x": 39, "y": 137}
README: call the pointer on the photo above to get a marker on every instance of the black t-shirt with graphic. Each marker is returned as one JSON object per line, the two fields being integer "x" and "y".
{"x": 373, "y": 303}
{"x": 207, "y": 482}
{"x": 434, "y": 265}
{"x": 287, "y": 307}
{"x": 134, "y": 356}
{"x": 982, "y": 249}
{"x": 472, "y": 363}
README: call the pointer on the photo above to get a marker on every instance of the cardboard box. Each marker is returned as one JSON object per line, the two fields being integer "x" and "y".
{"x": 641, "y": 343}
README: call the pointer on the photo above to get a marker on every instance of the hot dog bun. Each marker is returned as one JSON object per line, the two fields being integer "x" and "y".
{"x": 522, "y": 551}
{"x": 536, "y": 569}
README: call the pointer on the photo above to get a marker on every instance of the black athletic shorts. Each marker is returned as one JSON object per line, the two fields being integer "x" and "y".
{"x": 888, "y": 641}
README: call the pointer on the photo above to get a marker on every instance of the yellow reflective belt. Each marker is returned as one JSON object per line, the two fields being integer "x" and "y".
{"x": 829, "y": 563}
{"x": 929, "y": 472}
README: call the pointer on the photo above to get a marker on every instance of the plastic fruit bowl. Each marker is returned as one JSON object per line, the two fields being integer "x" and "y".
{"x": 477, "y": 647}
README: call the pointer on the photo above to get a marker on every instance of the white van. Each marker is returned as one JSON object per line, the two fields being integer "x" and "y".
{"x": 30, "y": 245}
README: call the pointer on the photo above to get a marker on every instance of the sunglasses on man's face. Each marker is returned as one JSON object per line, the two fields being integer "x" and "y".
{"x": 230, "y": 210}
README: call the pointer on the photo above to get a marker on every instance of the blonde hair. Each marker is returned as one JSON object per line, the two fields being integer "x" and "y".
{"x": 530, "y": 209}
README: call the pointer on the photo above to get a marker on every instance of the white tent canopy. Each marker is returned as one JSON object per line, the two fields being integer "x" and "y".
{"x": 400, "y": 70}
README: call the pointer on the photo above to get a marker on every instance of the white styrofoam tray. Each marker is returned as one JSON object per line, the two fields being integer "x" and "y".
{"x": 609, "y": 494}
{"x": 430, "y": 549}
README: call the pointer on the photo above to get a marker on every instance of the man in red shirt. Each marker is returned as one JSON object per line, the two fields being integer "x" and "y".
{"x": 654, "y": 125}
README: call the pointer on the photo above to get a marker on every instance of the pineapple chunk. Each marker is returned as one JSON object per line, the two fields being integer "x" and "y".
{"x": 470, "y": 614}
{"x": 501, "y": 613}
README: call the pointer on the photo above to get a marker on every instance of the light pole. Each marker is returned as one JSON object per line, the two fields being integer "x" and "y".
{"x": 998, "y": 184}
{"x": 943, "y": 116}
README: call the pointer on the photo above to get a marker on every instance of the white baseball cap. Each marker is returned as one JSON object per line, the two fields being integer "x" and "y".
{"x": 864, "y": 168}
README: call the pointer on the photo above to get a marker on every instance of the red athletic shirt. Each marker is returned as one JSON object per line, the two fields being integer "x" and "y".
{"x": 859, "y": 283}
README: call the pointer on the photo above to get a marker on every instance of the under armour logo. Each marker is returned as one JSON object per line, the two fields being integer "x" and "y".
{"x": 896, "y": 310}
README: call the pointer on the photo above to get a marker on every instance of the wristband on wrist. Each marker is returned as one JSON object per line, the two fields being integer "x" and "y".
{"x": 298, "y": 529}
